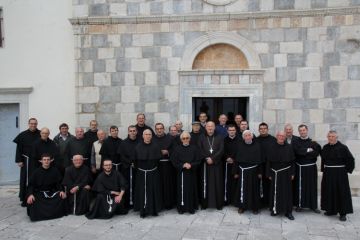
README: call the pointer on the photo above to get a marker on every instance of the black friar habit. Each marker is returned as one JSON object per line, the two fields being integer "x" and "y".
{"x": 126, "y": 151}
{"x": 305, "y": 193}
{"x": 230, "y": 150}
{"x": 105, "y": 206}
{"x": 82, "y": 147}
{"x": 40, "y": 147}
{"x": 336, "y": 162}
{"x": 265, "y": 143}
{"x": 187, "y": 193}
{"x": 248, "y": 167}
{"x": 79, "y": 202}
{"x": 148, "y": 199}
{"x": 91, "y": 135}
{"x": 141, "y": 129}
{"x": 109, "y": 150}
{"x": 212, "y": 176}
{"x": 167, "y": 171}
{"x": 24, "y": 143}
{"x": 45, "y": 185}
{"x": 280, "y": 167}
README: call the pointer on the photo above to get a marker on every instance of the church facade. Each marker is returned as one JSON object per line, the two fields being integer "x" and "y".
{"x": 277, "y": 61}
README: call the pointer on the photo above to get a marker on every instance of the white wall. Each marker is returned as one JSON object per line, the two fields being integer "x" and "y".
{"x": 39, "y": 53}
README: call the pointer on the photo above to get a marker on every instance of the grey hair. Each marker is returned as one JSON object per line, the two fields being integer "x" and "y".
{"x": 185, "y": 133}
{"x": 245, "y": 132}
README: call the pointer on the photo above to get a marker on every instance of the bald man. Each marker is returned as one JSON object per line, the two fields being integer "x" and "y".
{"x": 42, "y": 146}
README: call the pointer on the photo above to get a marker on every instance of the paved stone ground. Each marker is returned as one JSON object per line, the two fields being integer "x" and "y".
{"x": 209, "y": 224}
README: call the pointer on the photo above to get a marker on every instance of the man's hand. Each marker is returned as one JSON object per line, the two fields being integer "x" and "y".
{"x": 229, "y": 160}
{"x": 209, "y": 161}
{"x": 165, "y": 152}
{"x": 292, "y": 177}
{"x": 74, "y": 189}
{"x": 259, "y": 176}
{"x": 93, "y": 169}
{"x": 87, "y": 187}
{"x": 270, "y": 178}
{"x": 62, "y": 195}
{"x": 236, "y": 176}
{"x": 30, "y": 199}
{"x": 20, "y": 164}
{"x": 118, "y": 199}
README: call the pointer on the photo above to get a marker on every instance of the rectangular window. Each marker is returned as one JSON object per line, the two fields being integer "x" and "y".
{"x": 1, "y": 29}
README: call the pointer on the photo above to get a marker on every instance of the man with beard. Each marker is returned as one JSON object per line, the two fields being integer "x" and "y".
{"x": 336, "y": 162}
{"x": 141, "y": 126}
{"x": 306, "y": 153}
{"x": 95, "y": 153}
{"x": 44, "y": 145}
{"x": 79, "y": 145}
{"x": 290, "y": 137}
{"x": 266, "y": 141}
{"x": 148, "y": 199}
{"x": 77, "y": 181}
{"x": 230, "y": 149}
{"x": 211, "y": 150}
{"x": 46, "y": 198}
{"x": 166, "y": 169}
{"x": 126, "y": 151}
{"x": 247, "y": 171}
{"x": 186, "y": 159}
{"x": 91, "y": 134}
{"x": 24, "y": 144}
{"x": 280, "y": 170}
{"x": 110, "y": 188}
{"x": 109, "y": 149}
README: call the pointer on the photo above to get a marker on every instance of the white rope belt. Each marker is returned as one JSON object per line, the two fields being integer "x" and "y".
{"x": 334, "y": 166}
{"x": 164, "y": 160}
{"x": 226, "y": 176}
{"x": 275, "y": 191}
{"x": 46, "y": 195}
{"x": 204, "y": 181}
{"x": 145, "y": 172}
{"x": 300, "y": 166}
{"x": 242, "y": 181}
{"x": 74, "y": 209}
{"x": 116, "y": 165}
{"x": 110, "y": 202}
{"x": 182, "y": 188}
{"x": 131, "y": 183}
{"x": 27, "y": 168}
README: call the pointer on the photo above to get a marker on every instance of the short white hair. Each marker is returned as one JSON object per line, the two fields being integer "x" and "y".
{"x": 245, "y": 132}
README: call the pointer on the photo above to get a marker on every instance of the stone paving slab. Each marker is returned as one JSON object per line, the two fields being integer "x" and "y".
{"x": 226, "y": 224}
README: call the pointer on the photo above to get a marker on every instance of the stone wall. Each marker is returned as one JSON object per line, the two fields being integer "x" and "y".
{"x": 310, "y": 61}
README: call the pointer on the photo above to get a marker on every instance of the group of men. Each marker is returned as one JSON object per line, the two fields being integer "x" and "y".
{"x": 211, "y": 166}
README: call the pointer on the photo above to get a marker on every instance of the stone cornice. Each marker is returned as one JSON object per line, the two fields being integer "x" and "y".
{"x": 16, "y": 90}
{"x": 221, "y": 72}
{"x": 215, "y": 16}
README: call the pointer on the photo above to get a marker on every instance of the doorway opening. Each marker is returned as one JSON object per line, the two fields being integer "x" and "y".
{"x": 215, "y": 106}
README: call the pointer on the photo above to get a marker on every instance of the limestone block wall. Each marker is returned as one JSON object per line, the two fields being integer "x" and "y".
{"x": 310, "y": 60}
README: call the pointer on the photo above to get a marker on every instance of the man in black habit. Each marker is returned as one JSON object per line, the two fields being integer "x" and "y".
{"x": 109, "y": 187}
{"x": 230, "y": 149}
{"x": 247, "y": 172}
{"x": 280, "y": 170}
{"x": 266, "y": 141}
{"x": 62, "y": 139}
{"x": 306, "y": 153}
{"x": 166, "y": 168}
{"x": 195, "y": 133}
{"x": 126, "y": 151}
{"x": 336, "y": 162}
{"x": 44, "y": 145}
{"x": 79, "y": 145}
{"x": 24, "y": 144}
{"x": 211, "y": 151}
{"x": 148, "y": 198}
{"x": 46, "y": 198}
{"x": 110, "y": 146}
{"x": 77, "y": 181}
{"x": 186, "y": 159}
{"x": 91, "y": 134}
{"x": 141, "y": 126}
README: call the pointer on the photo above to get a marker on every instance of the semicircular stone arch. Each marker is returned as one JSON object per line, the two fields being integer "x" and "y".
{"x": 212, "y": 38}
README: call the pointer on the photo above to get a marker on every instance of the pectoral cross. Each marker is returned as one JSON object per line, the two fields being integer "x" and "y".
{"x": 211, "y": 150}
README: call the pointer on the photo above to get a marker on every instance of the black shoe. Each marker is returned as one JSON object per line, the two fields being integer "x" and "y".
{"x": 289, "y": 216}
{"x": 255, "y": 212}
{"x": 329, "y": 214}
{"x": 155, "y": 214}
{"x": 23, "y": 204}
{"x": 298, "y": 209}
{"x": 192, "y": 212}
{"x": 142, "y": 215}
{"x": 342, "y": 218}
{"x": 241, "y": 210}
{"x": 316, "y": 210}
{"x": 180, "y": 211}
{"x": 272, "y": 214}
